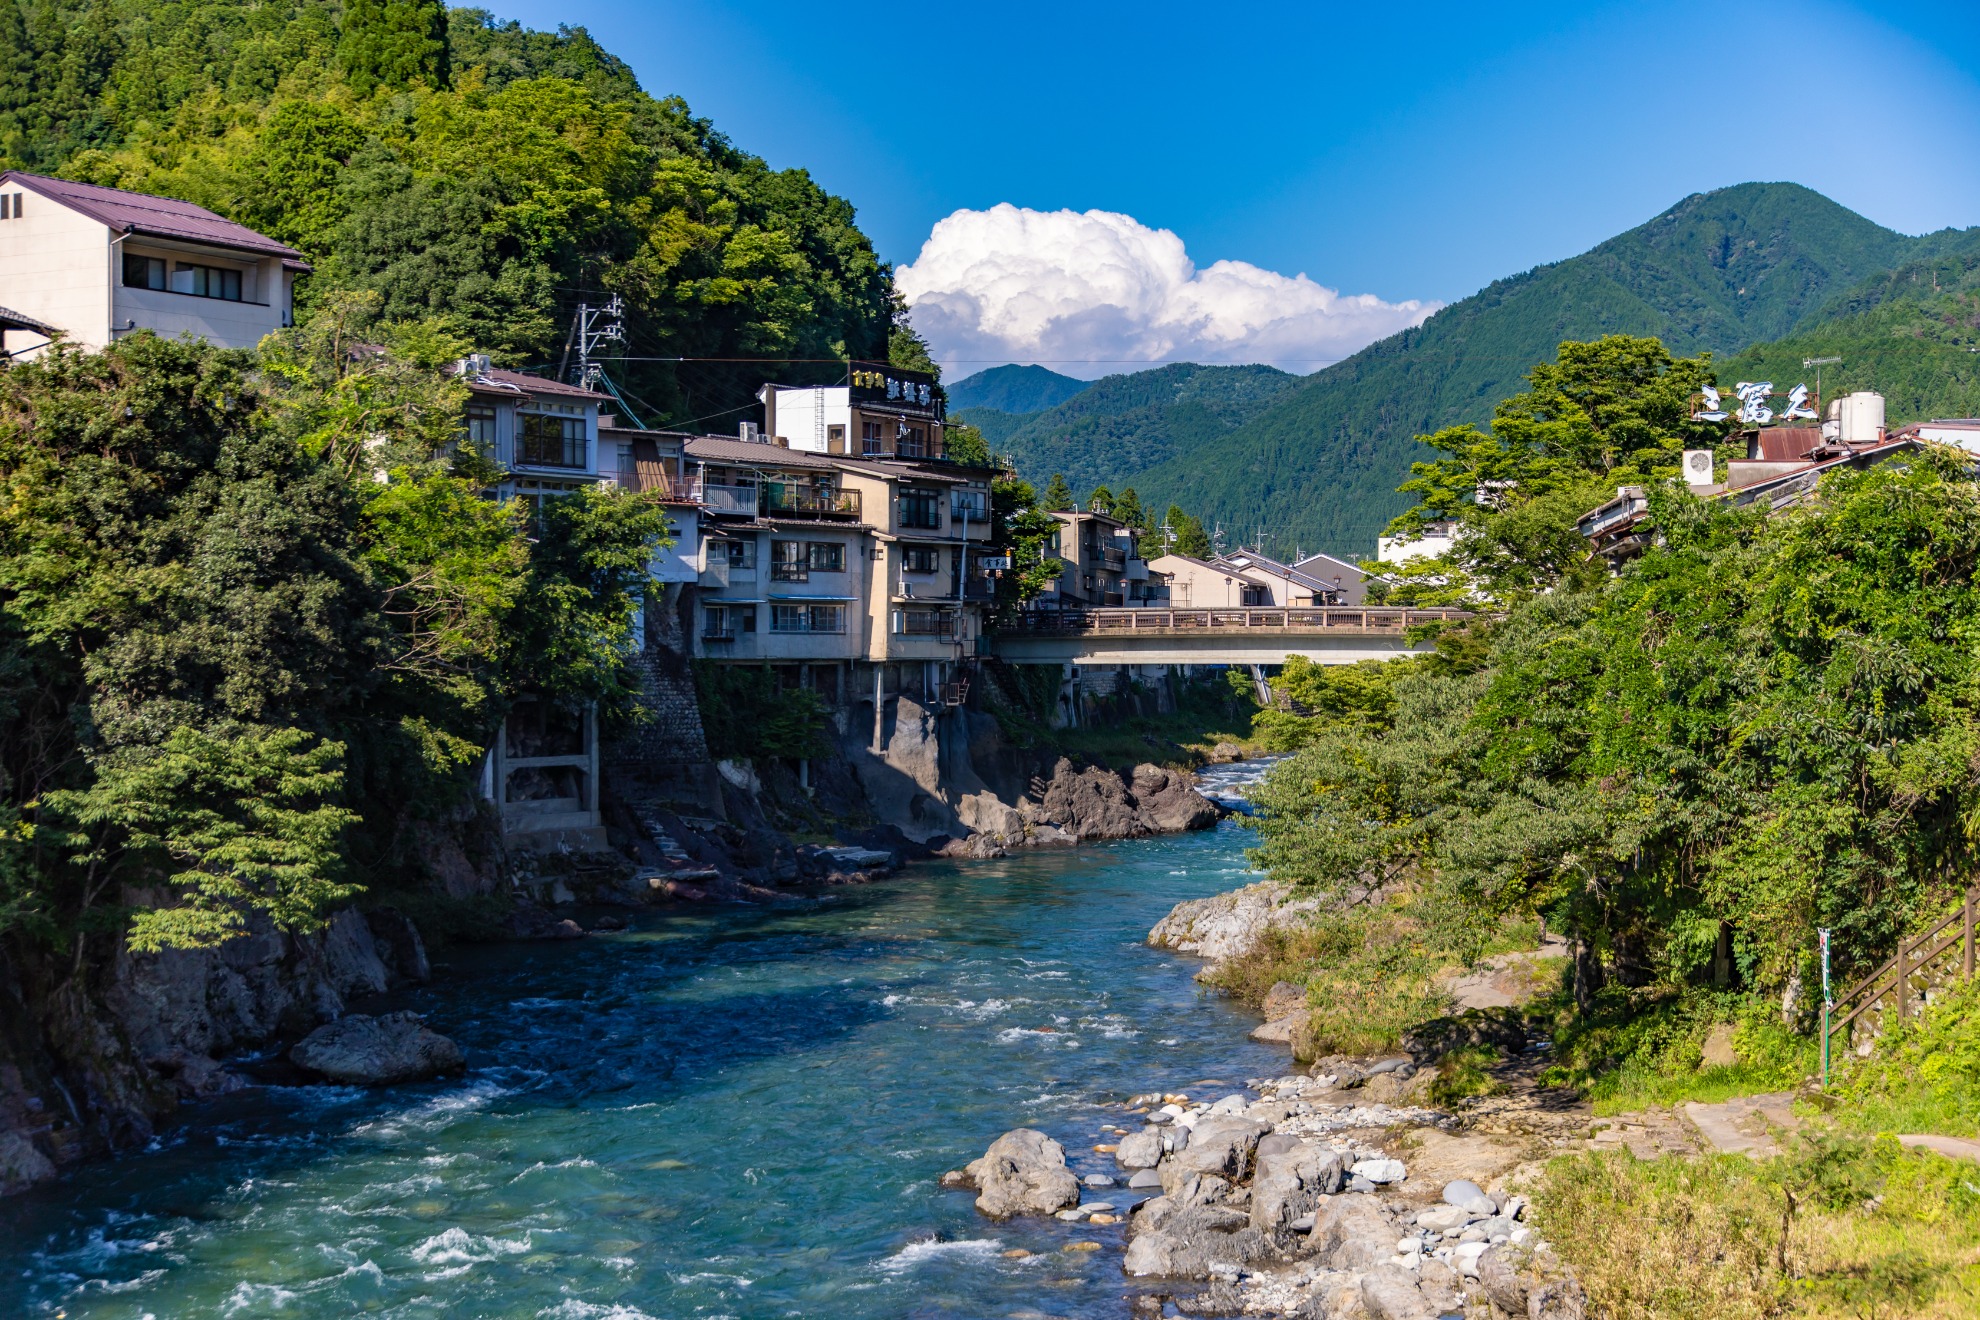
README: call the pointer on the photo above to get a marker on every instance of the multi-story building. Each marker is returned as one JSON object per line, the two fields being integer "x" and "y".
{"x": 94, "y": 263}
{"x": 1098, "y": 563}
{"x": 856, "y": 578}
{"x": 1203, "y": 584}
{"x": 882, "y": 412}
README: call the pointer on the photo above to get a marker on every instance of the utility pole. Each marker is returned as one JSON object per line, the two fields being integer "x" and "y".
{"x": 1818, "y": 364}
{"x": 595, "y": 327}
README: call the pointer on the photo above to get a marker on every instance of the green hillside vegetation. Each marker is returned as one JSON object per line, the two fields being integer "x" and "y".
{"x": 1913, "y": 335}
{"x": 1760, "y": 728}
{"x": 1120, "y": 425}
{"x": 464, "y": 169}
{"x": 1715, "y": 273}
{"x": 1014, "y": 389}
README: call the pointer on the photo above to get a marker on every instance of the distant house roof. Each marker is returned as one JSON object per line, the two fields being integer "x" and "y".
{"x": 723, "y": 449}
{"x": 1266, "y": 564}
{"x": 142, "y": 213}
{"x": 1316, "y": 564}
{"x": 1783, "y": 444}
{"x": 496, "y": 380}
{"x": 13, "y": 320}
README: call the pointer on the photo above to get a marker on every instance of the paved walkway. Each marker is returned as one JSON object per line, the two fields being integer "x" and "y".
{"x": 1748, "y": 1124}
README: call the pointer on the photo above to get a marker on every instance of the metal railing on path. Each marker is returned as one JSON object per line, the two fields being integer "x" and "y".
{"x": 1149, "y": 619}
{"x": 1930, "y": 957}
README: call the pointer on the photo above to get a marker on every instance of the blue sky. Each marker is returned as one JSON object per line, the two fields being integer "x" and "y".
{"x": 1404, "y": 151}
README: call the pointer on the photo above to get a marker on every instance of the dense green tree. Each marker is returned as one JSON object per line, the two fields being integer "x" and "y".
{"x": 257, "y": 612}
{"x": 1100, "y": 500}
{"x": 1058, "y": 497}
{"x": 531, "y": 174}
{"x": 1186, "y": 533}
{"x": 1611, "y": 412}
{"x": 964, "y": 443}
{"x": 390, "y": 43}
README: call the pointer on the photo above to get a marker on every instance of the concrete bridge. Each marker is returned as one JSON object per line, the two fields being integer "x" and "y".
{"x": 1335, "y": 635}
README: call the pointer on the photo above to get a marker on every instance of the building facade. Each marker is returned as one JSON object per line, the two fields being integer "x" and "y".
{"x": 881, "y": 412}
{"x": 97, "y": 263}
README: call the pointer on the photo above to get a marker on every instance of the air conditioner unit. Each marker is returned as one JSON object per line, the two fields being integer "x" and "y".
{"x": 1698, "y": 467}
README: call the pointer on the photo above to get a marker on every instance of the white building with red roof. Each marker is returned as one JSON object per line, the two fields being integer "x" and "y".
{"x": 95, "y": 263}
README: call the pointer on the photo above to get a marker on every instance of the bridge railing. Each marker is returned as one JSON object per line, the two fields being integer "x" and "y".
{"x": 1231, "y": 620}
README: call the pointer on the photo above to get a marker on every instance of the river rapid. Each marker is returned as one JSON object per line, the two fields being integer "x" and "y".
{"x": 720, "y": 1112}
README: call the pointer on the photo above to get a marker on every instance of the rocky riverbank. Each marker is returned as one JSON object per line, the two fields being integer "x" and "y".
{"x": 1296, "y": 1201}
{"x": 96, "y": 1058}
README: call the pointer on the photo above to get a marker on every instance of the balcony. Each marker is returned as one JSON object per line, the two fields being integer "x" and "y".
{"x": 788, "y": 499}
{"x": 979, "y": 588}
{"x": 666, "y": 484}
{"x": 790, "y": 572}
{"x": 970, "y": 505}
{"x": 1114, "y": 561}
{"x": 734, "y": 501}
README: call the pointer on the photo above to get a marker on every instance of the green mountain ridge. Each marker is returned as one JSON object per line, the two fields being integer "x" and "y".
{"x": 1716, "y": 272}
{"x": 1729, "y": 272}
{"x": 1131, "y": 421}
{"x": 1912, "y": 334}
{"x": 1014, "y": 389}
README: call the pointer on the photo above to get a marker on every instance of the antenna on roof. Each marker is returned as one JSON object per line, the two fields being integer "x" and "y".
{"x": 1818, "y": 364}
{"x": 1217, "y": 539}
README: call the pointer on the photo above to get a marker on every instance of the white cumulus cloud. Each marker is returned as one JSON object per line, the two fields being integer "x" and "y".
{"x": 1093, "y": 293}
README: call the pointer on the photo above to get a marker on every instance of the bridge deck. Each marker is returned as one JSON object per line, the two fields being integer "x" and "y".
{"x": 1328, "y": 635}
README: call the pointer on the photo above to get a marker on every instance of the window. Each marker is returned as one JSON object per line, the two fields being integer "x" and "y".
{"x": 869, "y": 438}
{"x": 807, "y": 618}
{"x": 206, "y": 281}
{"x": 143, "y": 272}
{"x": 919, "y": 508}
{"x": 796, "y": 561}
{"x": 718, "y": 624}
{"x": 835, "y": 439}
{"x": 974, "y": 504}
{"x": 910, "y": 443}
{"x": 481, "y": 427}
{"x": 738, "y": 554}
{"x": 921, "y": 559}
{"x": 788, "y": 563}
{"x": 548, "y": 441}
{"x": 921, "y": 623}
{"x": 10, "y": 206}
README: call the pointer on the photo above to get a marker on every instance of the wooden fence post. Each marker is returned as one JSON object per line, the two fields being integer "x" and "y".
{"x": 1903, "y": 990}
{"x": 1966, "y": 969}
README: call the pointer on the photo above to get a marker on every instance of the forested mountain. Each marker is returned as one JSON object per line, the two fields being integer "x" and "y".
{"x": 1716, "y": 272}
{"x": 1912, "y": 334}
{"x": 1014, "y": 389}
{"x": 1762, "y": 275}
{"x": 464, "y": 169}
{"x": 1120, "y": 425}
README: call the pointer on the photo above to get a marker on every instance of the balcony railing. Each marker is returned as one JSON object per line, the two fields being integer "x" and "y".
{"x": 738, "y": 500}
{"x": 1181, "y": 620}
{"x": 789, "y": 572}
{"x": 979, "y": 588}
{"x": 926, "y": 623}
{"x": 789, "y": 497}
{"x": 670, "y": 487}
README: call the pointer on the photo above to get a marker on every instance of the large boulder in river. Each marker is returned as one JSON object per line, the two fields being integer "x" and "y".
{"x": 1023, "y": 1173}
{"x": 1292, "y": 1178}
{"x": 377, "y": 1051}
{"x": 1096, "y": 803}
{"x": 1227, "y": 925}
{"x": 1169, "y": 801}
{"x": 1350, "y": 1232}
{"x": 1219, "y": 1147}
{"x": 1182, "y": 1237}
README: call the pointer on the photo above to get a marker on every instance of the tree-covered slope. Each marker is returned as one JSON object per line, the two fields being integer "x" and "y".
{"x": 1014, "y": 389}
{"x": 1716, "y": 272}
{"x": 1912, "y": 334}
{"x": 465, "y": 169}
{"x": 1120, "y": 425}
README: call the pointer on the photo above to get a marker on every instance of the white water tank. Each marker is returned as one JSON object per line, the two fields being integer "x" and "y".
{"x": 1859, "y": 418}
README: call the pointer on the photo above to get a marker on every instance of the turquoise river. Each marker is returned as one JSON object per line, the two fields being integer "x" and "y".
{"x": 720, "y": 1112}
